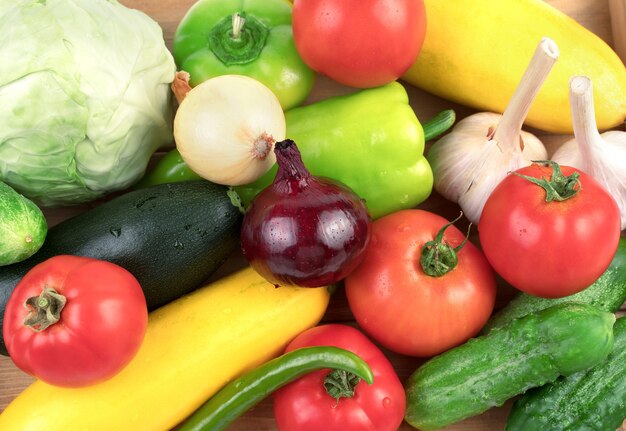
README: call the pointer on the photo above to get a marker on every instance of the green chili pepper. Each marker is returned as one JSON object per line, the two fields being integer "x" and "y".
{"x": 243, "y": 393}
{"x": 370, "y": 141}
{"x": 243, "y": 37}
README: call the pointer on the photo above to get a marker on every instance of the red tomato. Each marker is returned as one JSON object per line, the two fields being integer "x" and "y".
{"x": 304, "y": 405}
{"x": 549, "y": 249}
{"x": 404, "y": 308}
{"x": 360, "y": 43}
{"x": 100, "y": 327}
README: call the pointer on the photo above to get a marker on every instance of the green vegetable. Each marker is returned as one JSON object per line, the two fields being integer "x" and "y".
{"x": 171, "y": 237}
{"x": 488, "y": 370}
{"x": 246, "y": 391}
{"x": 23, "y": 227}
{"x": 439, "y": 124}
{"x": 171, "y": 168}
{"x": 86, "y": 98}
{"x": 370, "y": 141}
{"x": 594, "y": 399}
{"x": 607, "y": 293}
{"x": 212, "y": 39}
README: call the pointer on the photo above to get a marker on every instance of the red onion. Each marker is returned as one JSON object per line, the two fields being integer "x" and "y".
{"x": 304, "y": 230}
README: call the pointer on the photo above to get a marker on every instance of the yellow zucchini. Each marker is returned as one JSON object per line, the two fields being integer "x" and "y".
{"x": 476, "y": 51}
{"x": 193, "y": 347}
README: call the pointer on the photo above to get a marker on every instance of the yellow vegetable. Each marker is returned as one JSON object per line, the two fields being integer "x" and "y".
{"x": 476, "y": 51}
{"x": 192, "y": 348}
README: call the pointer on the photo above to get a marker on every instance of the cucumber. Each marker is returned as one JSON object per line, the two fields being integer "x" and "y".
{"x": 171, "y": 237}
{"x": 608, "y": 293}
{"x": 488, "y": 370}
{"x": 23, "y": 227}
{"x": 593, "y": 400}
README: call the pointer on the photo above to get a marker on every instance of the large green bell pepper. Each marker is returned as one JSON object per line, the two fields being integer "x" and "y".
{"x": 370, "y": 140}
{"x": 205, "y": 45}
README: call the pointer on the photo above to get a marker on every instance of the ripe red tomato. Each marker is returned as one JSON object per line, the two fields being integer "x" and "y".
{"x": 402, "y": 307}
{"x": 549, "y": 249}
{"x": 304, "y": 405}
{"x": 360, "y": 43}
{"x": 100, "y": 328}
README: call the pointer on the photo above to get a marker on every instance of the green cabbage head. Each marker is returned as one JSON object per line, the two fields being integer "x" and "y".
{"x": 84, "y": 97}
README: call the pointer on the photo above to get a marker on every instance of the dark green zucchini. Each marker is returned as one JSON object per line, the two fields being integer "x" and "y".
{"x": 608, "y": 293}
{"x": 591, "y": 400}
{"x": 487, "y": 371}
{"x": 171, "y": 237}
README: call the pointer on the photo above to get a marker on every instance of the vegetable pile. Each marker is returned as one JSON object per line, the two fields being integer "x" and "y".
{"x": 208, "y": 282}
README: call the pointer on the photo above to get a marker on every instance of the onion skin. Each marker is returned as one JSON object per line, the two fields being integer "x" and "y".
{"x": 304, "y": 230}
{"x": 225, "y": 129}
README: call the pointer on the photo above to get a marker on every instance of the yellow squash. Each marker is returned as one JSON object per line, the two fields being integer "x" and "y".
{"x": 192, "y": 348}
{"x": 476, "y": 51}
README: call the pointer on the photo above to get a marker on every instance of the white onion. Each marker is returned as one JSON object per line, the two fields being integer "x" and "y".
{"x": 225, "y": 129}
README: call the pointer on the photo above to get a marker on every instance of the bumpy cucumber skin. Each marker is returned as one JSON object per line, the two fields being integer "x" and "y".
{"x": 590, "y": 400}
{"x": 23, "y": 226}
{"x": 608, "y": 293}
{"x": 488, "y": 370}
{"x": 171, "y": 237}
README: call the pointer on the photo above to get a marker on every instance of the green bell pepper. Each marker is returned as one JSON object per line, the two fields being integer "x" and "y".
{"x": 370, "y": 141}
{"x": 170, "y": 169}
{"x": 213, "y": 40}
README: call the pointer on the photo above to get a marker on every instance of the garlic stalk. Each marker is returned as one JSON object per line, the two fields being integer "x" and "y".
{"x": 601, "y": 156}
{"x": 225, "y": 128}
{"x": 481, "y": 149}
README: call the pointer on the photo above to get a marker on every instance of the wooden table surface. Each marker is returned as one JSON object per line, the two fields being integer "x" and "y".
{"x": 604, "y": 17}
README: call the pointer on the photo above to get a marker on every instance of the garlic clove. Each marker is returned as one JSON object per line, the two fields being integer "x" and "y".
{"x": 567, "y": 154}
{"x": 481, "y": 149}
{"x": 225, "y": 129}
{"x": 602, "y": 156}
{"x": 452, "y": 156}
{"x": 492, "y": 166}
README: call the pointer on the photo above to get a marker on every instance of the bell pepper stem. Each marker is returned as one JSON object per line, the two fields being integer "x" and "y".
{"x": 232, "y": 43}
{"x": 439, "y": 124}
{"x": 44, "y": 310}
{"x": 238, "y": 23}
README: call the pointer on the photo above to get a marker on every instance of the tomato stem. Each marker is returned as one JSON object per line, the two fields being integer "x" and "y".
{"x": 44, "y": 310}
{"x": 438, "y": 257}
{"x": 560, "y": 187}
{"x": 341, "y": 384}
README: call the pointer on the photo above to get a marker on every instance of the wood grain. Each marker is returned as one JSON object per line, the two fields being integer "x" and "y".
{"x": 593, "y": 14}
{"x": 617, "y": 9}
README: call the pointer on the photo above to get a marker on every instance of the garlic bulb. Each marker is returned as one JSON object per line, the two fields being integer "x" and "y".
{"x": 225, "y": 129}
{"x": 481, "y": 149}
{"x": 602, "y": 156}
